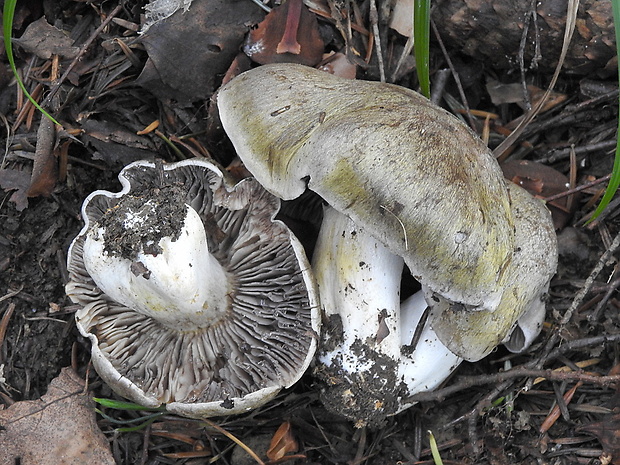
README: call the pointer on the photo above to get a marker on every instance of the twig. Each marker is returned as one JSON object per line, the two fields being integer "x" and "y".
{"x": 262, "y": 5}
{"x": 577, "y": 301}
{"x": 8, "y": 140}
{"x": 579, "y": 344}
{"x": 4, "y": 324}
{"x": 565, "y": 153}
{"x": 405, "y": 53}
{"x": 527, "y": 370}
{"x": 519, "y": 372}
{"x": 594, "y": 316}
{"x": 374, "y": 21}
{"x": 578, "y": 188}
{"x": 12, "y": 293}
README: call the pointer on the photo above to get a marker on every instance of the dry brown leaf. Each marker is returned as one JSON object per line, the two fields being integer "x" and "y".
{"x": 339, "y": 65}
{"x": 188, "y": 51}
{"x": 607, "y": 431}
{"x": 542, "y": 181}
{"x": 282, "y": 443}
{"x": 44, "y": 40}
{"x": 288, "y": 34}
{"x": 19, "y": 181}
{"x": 58, "y": 429}
{"x": 513, "y": 93}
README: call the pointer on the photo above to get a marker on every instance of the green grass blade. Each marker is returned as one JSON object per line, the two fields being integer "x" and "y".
{"x": 133, "y": 429}
{"x": 434, "y": 449}
{"x": 422, "y": 38}
{"x": 121, "y": 405}
{"x": 8, "y": 14}
{"x": 614, "y": 182}
{"x": 139, "y": 420}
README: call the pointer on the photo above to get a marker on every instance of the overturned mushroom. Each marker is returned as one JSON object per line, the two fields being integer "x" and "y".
{"x": 191, "y": 293}
{"x": 413, "y": 177}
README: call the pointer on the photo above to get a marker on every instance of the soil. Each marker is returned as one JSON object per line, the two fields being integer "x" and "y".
{"x": 485, "y": 419}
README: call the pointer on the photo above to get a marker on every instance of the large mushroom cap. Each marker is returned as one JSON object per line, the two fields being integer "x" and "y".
{"x": 527, "y": 280}
{"x": 409, "y": 173}
{"x": 210, "y": 305}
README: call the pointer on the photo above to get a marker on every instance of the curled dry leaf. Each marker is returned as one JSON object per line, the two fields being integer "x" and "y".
{"x": 282, "y": 443}
{"x": 38, "y": 431}
{"x": 288, "y": 34}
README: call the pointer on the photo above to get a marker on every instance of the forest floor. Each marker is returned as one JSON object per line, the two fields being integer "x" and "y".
{"x": 554, "y": 404}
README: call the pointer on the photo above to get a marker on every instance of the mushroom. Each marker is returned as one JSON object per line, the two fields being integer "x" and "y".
{"x": 191, "y": 293}
{"x": 369, "y": 357}
{"x": 416, "y": 180}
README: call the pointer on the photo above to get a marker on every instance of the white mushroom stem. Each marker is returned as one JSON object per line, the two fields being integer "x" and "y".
{"x": 359, "y": 285}
{"x": 426, "y": 365}
{"x": 182, "y": 286}
{"x": 359, "y": 281}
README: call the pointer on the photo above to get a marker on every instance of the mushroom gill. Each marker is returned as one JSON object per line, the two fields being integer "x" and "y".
{"x": 254, "y": 333}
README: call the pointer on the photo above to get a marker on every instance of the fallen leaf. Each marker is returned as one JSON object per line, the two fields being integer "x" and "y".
{"x": 19, "y": 181}
{"x": 189, "y": 50}
{"x": 513, "y": 93}
{"x": 607, "y": 431}
{"x": 542, "y": 181}
{"x": 282, "y": 443}
{"x": 339, "y": 65}
{"x": 402, "y": 17}
{"x": 58, "y": 429}
{"x": 44, "y": 40}
{"x": 288, "y": 34}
